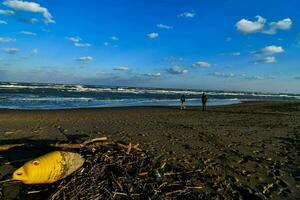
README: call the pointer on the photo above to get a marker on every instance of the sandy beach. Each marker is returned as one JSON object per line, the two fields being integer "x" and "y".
{"x": 255, "y": 145}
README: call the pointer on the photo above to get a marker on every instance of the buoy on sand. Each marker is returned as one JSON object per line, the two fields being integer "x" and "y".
{"x": 49, "y": 168}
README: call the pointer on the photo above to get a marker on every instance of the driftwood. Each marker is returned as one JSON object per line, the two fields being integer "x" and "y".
{"x": 91, "y": 143}
{"x": 5, "y": 147}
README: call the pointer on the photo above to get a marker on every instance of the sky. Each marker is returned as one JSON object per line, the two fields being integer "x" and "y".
{"x": 237, "y": 45}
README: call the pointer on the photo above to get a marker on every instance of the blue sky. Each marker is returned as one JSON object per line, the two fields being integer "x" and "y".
{"x": 251, "y": 45}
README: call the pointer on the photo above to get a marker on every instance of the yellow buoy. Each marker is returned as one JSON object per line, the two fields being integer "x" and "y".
{"x": 49, "y": 168}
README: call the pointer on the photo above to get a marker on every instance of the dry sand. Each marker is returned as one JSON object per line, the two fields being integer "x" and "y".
{"x": 255, "y": 145}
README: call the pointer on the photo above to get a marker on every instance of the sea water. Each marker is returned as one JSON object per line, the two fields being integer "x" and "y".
{"x": 59, "y": 96}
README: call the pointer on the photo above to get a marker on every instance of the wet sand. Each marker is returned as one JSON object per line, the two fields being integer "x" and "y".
{"x": 252, "y": 146}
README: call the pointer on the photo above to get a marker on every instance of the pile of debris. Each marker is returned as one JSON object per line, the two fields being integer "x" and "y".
{"x": 119, "y": 171}
{"x": 115, "y": 170}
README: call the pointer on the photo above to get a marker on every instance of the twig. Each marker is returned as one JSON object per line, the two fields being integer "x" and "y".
{"x": 101, "y": 139}
{"x": 143, "y": 174}
{"x": 5, "y": 181}
{"x": 181, "y": 173}
{"x": 119, "y": 193}
{"x": 196, "y": 187}
{"x": 35, "y": 191}
{"x": 129, "y": 148}
{"x": 176, "y": 191}
{"x": 95, "y": 141}
{"x": 5, "y": 147}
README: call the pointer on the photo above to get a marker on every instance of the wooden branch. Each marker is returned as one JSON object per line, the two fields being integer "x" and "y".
{"x": 96, "y": 142}
{"x": 5, "y": 147}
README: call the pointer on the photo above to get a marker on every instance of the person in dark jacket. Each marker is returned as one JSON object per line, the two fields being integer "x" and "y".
{"x": 204, "y": 101}
{"x": 182, "y": 100}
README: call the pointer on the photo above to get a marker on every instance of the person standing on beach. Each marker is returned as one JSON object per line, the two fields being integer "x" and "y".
{"x": 182, "y": 99}
{"x": 204, "y": 100}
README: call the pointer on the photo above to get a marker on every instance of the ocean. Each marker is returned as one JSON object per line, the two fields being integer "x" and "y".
{"x": 59, "y": 96}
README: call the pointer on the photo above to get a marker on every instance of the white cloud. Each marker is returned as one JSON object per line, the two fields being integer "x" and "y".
{"x": 28, "y": 33}
{"x": 76, "y": 41}
{"x": 163, "y": 26}
{"x": 153, "y": 35}
{"x": 106, "y": 44}
{"x": 32, "y": 20}
{"x": 11, "y": 50}
{"x": 177, "y": 70}
{"x": 77, "y": 44}
{"x": 85, "y": 59}
{"x": 218, "y": 74}
{"x": 73, "y": 39}
{"x": 7, "y": 12}
{"x": 27, "y": 6}
{"x": 202, "y": 64}
{"x": 260, "y": 25}
{"x": 187, "y": 14}
{"x": 122, "y": 68}
{"x": 246, "y": 26}
{"x": 284, "y": 24}
{"x": 5, "y": 40}
{"x": 269, "y": 50}
{"x": 114, "y": 38}
{"x": 223, "y": 75}
{"x": 253, "y": 77}
{"x": 153, "y": 75}
{"x": 269, "y": 59}
{"x": 173, "y": 59}
{"x": 3, "y": 22}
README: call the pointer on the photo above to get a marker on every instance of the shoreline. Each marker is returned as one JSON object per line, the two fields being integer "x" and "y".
{"x": 243, "y": 102}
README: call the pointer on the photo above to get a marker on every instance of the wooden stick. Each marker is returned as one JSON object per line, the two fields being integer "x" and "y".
{"x": 143, "y": 174}
{"x": 101, "y": 139}
{"x": 96, "y": 141}
{"x": 8, "y": 180}
{"x": 176, "y": 191}
{"x": 119, "y": 193}
{"x": 5, "y": 147}
{"x": 35, "y": 191}
{"x": 180, "y": 173}
{"x": 135, "y": 147}
{"x": 197, "y": 187}
{"x": 129, "y": 148}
